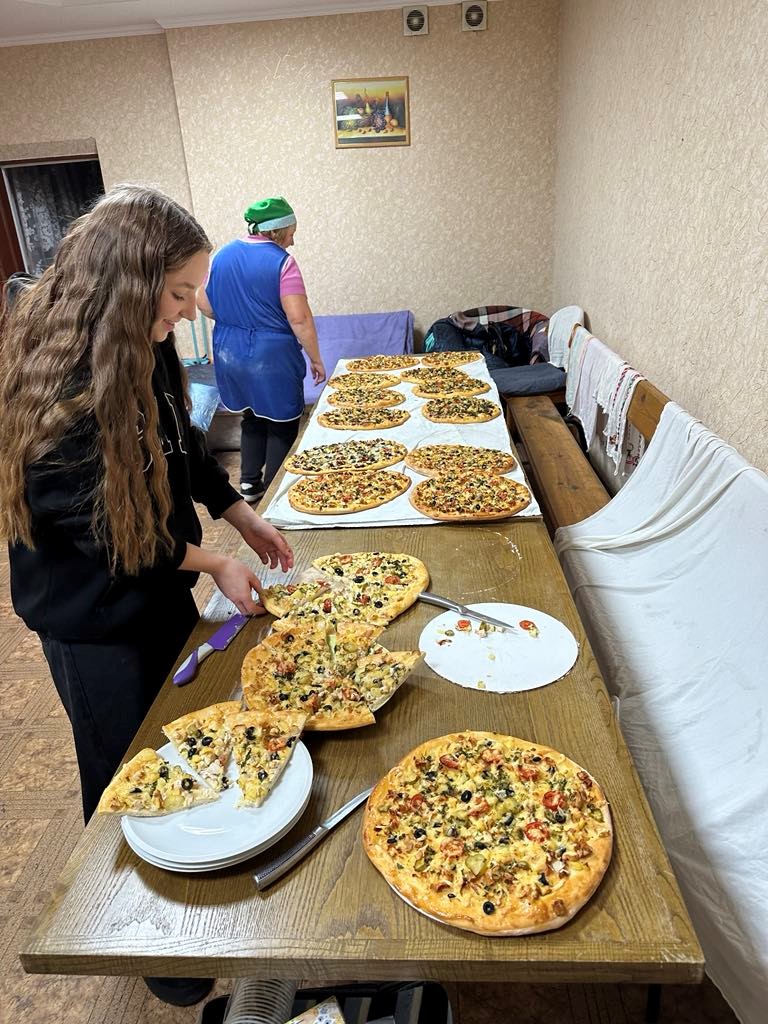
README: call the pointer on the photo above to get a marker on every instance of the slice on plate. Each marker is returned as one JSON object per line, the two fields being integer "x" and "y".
{"x": 363, "y": 380}
{"x": 202, "y": 738}
{"x": 376, "y": 453}
{"x": 262, "y": 746}
{"x": 490, "y": 833}
{"x": 460, "y": 410}
{"x": 450, "y": 358}
{"x": 468, "y": 496}
{"x": 309, "y": 668}
{"x": 434, "y": 459}
{"x": 370, "y": 364}
{"x": 369, "y": 398}
{"x": 346, "y": 491}
{"x": 148, "y": 786}
{"x": 365, "y": 418}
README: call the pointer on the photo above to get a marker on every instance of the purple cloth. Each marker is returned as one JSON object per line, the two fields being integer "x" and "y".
{"x": 352, "y": 335}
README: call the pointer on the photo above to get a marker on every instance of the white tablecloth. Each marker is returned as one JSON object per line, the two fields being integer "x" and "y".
{"x": 670, "y": 579}
{"x": 415, "y": 431}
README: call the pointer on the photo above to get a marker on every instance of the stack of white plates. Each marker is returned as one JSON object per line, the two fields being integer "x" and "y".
{"x": 216, "y": 835}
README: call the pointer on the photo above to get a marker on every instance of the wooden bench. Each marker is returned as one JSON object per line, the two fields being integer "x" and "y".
{"x": 566, "y": 486}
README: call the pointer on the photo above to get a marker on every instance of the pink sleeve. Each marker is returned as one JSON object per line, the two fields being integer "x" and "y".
{"x": 291, "y": 281}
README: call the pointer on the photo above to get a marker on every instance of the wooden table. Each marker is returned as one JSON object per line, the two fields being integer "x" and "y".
{"x": 334, "y": 917}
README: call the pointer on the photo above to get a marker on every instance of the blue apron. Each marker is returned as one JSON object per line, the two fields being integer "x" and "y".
{"x": 259, "y": 363}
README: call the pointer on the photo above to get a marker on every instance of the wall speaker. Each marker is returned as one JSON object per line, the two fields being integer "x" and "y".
{"x": 474, "y": 16}
{"x": 416, "y": 20}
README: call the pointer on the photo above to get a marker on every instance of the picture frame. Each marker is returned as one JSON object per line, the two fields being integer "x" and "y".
{"x": 370, "y": 112}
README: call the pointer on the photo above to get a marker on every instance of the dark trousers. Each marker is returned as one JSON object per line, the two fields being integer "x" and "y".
{"x": 264, "y": 445}
{"x": 107, "y": 689}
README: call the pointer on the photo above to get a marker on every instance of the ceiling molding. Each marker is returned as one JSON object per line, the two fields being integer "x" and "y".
{"x": 75, "y": 37}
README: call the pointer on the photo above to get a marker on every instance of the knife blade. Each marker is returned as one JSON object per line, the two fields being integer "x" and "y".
{"x": 461, "y": 609}
{"x": 277, "y": 868}
{"x": 220, "y": 640}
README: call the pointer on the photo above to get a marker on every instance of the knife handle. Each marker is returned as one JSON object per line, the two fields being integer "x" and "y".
{"x": 187, "y": 670}
{"x": 440, "y": 602}
{"x": 278, "y": 867}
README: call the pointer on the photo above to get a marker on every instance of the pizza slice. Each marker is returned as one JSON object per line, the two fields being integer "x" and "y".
{"x": 202, "y": 738}
{"x": 397, "y": 573}
{"x": 262, "y": 746}
{"x": 148, "y": 786}
{"x": 334, "y": 606}
{"x": 309, "y": 668}
{"x": 282, "y": 598}
{"x": 379, "y": 673}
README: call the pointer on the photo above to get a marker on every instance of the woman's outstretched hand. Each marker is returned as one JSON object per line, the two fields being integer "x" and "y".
{"x": 268, "y": 543}
{"x": 236, "y": 582}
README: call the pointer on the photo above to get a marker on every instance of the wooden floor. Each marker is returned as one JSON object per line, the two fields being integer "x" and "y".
{"x": 40, "y": 821}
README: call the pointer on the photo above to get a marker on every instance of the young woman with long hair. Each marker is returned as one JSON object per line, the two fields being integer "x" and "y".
{"x": 101, "y": 467}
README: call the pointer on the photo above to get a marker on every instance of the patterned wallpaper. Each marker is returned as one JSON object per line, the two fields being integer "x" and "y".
{"x": 662, "y": 198}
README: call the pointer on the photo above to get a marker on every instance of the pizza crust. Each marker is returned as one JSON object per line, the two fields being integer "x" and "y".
{"x": 521, "y": 904}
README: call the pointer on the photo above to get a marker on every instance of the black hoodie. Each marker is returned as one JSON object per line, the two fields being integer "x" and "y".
{"x": 63, "y": 588}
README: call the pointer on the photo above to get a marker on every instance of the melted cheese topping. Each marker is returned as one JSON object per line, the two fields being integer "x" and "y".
{"x": 347, "y": 455}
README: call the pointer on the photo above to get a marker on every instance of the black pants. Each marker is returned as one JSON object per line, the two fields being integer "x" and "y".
{"x": 264, "y": 445}
{"x": 107, "y": 689}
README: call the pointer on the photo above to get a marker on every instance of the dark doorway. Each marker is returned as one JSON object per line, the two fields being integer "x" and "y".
{"x": 44, "y": 198}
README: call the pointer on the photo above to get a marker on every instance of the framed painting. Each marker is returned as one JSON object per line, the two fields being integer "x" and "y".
{"x": 371, "y": 112}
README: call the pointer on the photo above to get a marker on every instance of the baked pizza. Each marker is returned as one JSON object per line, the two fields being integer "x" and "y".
{"x": 346, "y": 491}
{"x": 490, "y": 833}
{"x": 203, "y": 740}
{"x": 363, "y": 380}
{"x": 262, "y": 746}
{"x": 460, "y": 410}
{"x": 373, "y": 363}
{"x": 363, "y": 419}
{"x": 450, "y": 358}
{"x": 425, "y": 373}
{"x": 434, "y": 459}
{"x": 397, "y": 572}
{"x": 378, "y": 453}
{"x": 472, "y": 495}
{"x": 325, "y": 671}
{"x": 148, "y": 785}
{"x": 370, "y": 398}
{"x": 442, "y": 386}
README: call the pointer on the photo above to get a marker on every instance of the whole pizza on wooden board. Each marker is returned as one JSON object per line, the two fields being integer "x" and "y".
{"x": 434, "y": 459}
{"x": 490, "y": 833}
{"x": 347, "y": 491}
{"x": 372, "y": 398}
{"x": 450, "y": 358}
{"x": 377, "y": 453}
{"x": 363, "y": 380}
{"x": 469, "y": 495}
{"x": 370, "y": 364}
{"x": 365, "y": 418}
{"x": 460, "y": 410}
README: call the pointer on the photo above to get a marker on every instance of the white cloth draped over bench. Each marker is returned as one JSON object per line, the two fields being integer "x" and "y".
{"x": 671, "y": 580}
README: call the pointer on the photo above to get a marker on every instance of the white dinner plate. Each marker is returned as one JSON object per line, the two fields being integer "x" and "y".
{"x": 502, "y": 661}
{"x": 212, "y": 835}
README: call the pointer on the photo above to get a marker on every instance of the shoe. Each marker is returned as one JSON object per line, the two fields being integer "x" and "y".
{"x": 180, "y": 991}
{"x": 251, "y": 493}
{"x": 214, "y": 1010}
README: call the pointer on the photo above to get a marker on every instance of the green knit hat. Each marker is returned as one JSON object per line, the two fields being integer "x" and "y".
{"x": 270, "y": 214}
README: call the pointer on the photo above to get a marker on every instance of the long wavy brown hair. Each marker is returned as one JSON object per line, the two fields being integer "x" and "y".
{"x": 78, "y": 344}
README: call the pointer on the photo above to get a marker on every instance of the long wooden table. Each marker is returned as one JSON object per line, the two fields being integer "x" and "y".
{"x": 334, "y": 917}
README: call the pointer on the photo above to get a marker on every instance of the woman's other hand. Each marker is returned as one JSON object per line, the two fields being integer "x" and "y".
{"x": 268, "y": 543}
{"x": 236, "y": 582}
{"x": 318, "y": 370}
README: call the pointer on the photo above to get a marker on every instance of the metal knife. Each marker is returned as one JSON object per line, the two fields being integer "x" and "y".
{"x": 461, "y": 609}
{"x": 220, "y": 640}
{"x": 278, "y": 867}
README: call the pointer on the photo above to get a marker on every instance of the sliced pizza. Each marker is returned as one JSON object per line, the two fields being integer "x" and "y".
{"x": 460, "y": 410}
{"x": 442, "y": 359}
{"x": 202, "y": 738}
{"x": 363, "y": 380}
{"x": 490, "y": 833}
{"x": 366, "y": 398}
{"x": 396, "y": 572}
{"x": 262, "y": 746}
{"x": 366, "y": 418}
{"x": 468, "y": 496}
{"x": 435, "y": 459}
{"x": 281, "y": 598}
{"x": 148, "y": 786}
{"x": 372, "y": 364}
{"x": 346, "y": 491}
{"x": 334, "y": 606}
{"x": 381, "y": 672}
{"x": 376, "y": 453}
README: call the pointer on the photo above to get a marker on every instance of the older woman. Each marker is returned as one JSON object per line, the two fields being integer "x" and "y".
{"x": 257, "y": 297}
